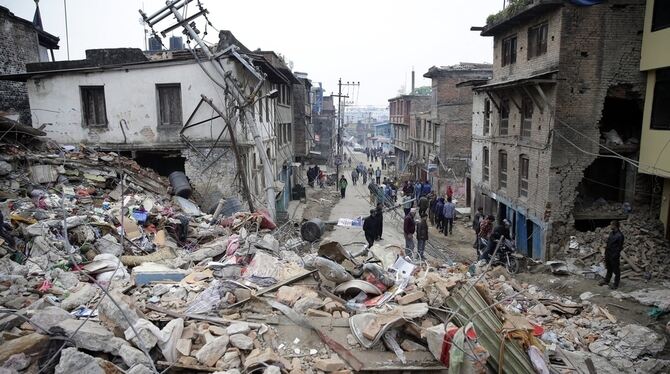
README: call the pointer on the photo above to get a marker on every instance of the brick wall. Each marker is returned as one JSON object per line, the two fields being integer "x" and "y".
{"x": 601, "y": 49}
{"x": 18, "y": 45}
{"x": 593, "y": 48}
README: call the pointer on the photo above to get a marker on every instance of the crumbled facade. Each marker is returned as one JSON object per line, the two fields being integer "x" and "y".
{"x": 563, "y": 77}
{"x": 151, "y": 108}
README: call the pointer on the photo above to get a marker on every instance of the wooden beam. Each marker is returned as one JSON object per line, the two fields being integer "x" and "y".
{"x": 511, "y": 98}
{"x": 488, "y": 93}
{"x": 543, "y": 96}
{"x": 532, "y": 97}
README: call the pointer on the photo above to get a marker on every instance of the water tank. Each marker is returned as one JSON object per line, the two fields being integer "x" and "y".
{"x": 312, "y": 230}
{"x": 176, "y": 43}
{"x": 155, "y": 44}
{"x": 180, "y": 185}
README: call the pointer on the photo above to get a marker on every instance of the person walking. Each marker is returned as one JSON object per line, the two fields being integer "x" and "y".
{"x": 378, "y": 175}
{"x": 371, "y": 171}
{"x": 613, "y": 256}
{"x": 439, "y": 206}
{"x": 354, "y": 176}
{"x": 448, "y": 213}
{"x": 406, "y": 203}
{"x": 409, "y": 228}
{"x": 476, "y": 220}
{"x": 370, "y": 227}
{"x": 417, "y": 191}
{"x": 423, "y": 205}
{"x": 421, "y": 236}
{"x": 365, "y": 176}
{"x": 372, "y": 188}
{"x": 343, "y": 185}
{"x": 426, "y": 188}
{"x": 379, "y": 214}
{"x": 432, "y": 200}
{"x": 500, "y": 232}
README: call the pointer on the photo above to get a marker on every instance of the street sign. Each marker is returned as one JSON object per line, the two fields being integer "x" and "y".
{"x": 338, "y": 160}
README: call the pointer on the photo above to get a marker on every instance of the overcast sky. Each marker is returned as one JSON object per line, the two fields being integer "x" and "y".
{"x": 373, "y": 42}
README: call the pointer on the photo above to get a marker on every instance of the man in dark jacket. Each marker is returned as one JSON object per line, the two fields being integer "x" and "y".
{"x": 379, "y": 214}
{"x": 409, "y": 228}
{"x": 439, "y": 206}
{"x": 423, "y": 205}
{"x": 370, "y": 228}
{"x": 613, "y": 255}
{"x": 500, "y": 232}
{"x": 432, "y": 200}
{"x": 421, "y": 236}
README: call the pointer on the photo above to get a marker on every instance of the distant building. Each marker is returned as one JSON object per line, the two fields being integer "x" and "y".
{"x": 22, "y": 42}
{"x": 324, "y": 124}
{"x": 655, "y": 62}
{"x": 444, "y": 136}
{"x": 403, "y": 112}
{"x": 566, "y": 93}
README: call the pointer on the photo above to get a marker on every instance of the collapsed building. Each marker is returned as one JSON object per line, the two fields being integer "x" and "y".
{"x": 154, "y": 108}
{"x": 556, "y": 130}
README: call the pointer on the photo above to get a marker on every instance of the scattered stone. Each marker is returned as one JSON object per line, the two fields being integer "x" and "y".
{"x": 211, "y": 352}
{"x": 160, "y": 289}
{"x": 411, "y": 297}
{"x": 318, "y": 313}
{"x": 411, "y": 346}
{"x": 80, "y": 297}
{"x": 217, "y": 330}
{"x": 305, "y": 303}
{"x": 17, "y": 362}
{"x": 238, "y": 328}
{"x": 73, "y": 361}
{"x": 272, "y": 370}
{"x": 288, "y": 295}
{"x": 49, "y": 317}
{"x": 242, "y": 342}
{"x": 331, "y": 364}
{"x": 333, "y": 306}
{"x": 230, "y": 360}
{"x": 184, "y": 346}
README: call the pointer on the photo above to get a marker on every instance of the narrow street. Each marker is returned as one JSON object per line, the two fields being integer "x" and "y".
{"x": 456, "y": 247}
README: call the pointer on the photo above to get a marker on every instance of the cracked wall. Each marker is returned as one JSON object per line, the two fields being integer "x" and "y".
{"x": 600, "y": 48}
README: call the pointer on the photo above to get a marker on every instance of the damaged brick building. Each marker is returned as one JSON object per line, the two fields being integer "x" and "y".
{"x": 148, "y": 105}
{"x": 554, "y": 128}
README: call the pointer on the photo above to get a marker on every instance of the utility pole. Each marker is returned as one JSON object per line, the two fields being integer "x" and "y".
{"x": 241, "y": 99}
{"x": 340, "y": 118}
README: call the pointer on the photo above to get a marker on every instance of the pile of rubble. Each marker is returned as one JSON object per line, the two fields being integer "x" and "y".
{"x": 646, "y": 253}
{"x": 104, "y": 271}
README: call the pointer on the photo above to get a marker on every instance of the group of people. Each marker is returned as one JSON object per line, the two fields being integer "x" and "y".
{"x": 316, "y": 175}
{"x": 373, "y": 154}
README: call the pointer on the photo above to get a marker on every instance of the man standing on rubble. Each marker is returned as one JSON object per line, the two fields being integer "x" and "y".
{"x": 370, "y": 228}
{"x": 613, "y": 256}
{"x": 343, "y": 185}
{"x": 379, "y": 214}
{"x": 409, "y": 228}
{"x": 421, "y": 236}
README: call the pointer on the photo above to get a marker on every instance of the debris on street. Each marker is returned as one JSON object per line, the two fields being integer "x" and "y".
{"x": 137, "y": 280}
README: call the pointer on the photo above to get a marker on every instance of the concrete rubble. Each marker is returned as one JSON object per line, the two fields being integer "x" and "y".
{"x": 132, "y": 279}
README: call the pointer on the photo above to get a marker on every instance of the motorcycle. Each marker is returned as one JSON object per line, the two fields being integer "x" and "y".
{"x": 504, "y": 256}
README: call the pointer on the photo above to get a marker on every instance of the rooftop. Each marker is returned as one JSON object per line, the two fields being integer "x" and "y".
{"x": 517, "y": 13}
{"x": 462, "y": 67}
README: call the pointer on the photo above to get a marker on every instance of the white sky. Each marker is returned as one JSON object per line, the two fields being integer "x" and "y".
{"x": 374, "y": 42}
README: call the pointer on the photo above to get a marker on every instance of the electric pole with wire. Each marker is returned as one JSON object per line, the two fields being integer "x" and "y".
{"x": 340, "y": 118}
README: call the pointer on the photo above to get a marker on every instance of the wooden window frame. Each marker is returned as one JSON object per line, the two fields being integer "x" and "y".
{"x": 524, "y": 171}
{"x": 537, "y": 40}
{"x": 508, "y": 53}
{"x": 89, "y": 119}
{"x": 526, "y": 117}
{"x": 503, "y": 126}
{"x": 486, "y": 158}
{"x": 502, "y": 169}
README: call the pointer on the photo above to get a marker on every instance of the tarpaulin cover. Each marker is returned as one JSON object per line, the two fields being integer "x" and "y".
{"x": 586, "y": 2}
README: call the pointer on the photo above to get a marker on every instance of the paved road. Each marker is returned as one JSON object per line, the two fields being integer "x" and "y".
{"x": 357, "y": 203}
